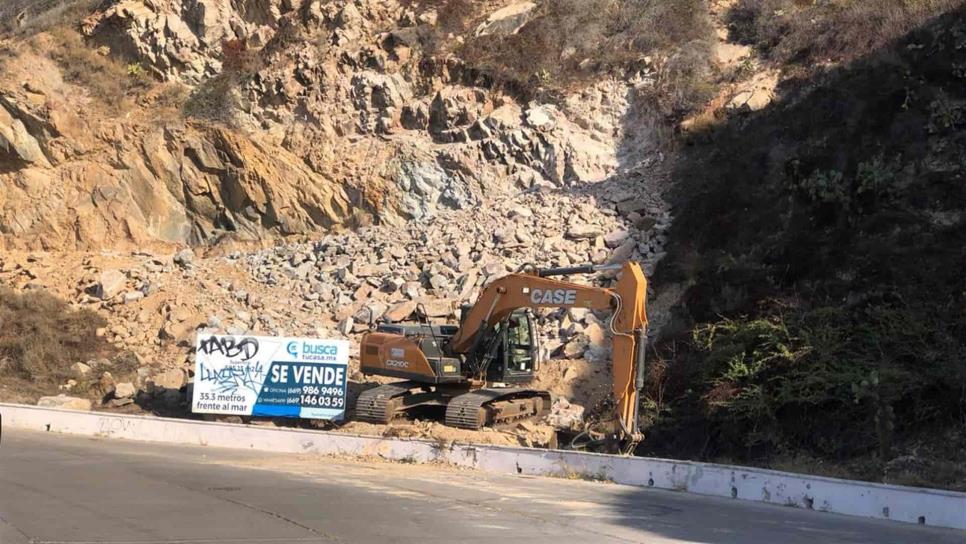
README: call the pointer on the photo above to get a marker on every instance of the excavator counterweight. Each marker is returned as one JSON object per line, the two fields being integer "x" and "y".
{"x": 476, "y": 372}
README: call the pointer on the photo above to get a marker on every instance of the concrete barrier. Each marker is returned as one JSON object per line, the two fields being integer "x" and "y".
{"x": 898, "y": 503}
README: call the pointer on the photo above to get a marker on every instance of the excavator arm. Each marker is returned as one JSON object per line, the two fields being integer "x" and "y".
{"x": 628, "y": 324}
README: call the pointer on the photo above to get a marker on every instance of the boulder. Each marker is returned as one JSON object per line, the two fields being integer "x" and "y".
{"x": 365, "y": 270}
{"x": 110, "y": 284}
{"x": 392, "y": 284}
{"x": 184, "y": 258}
{"x": 401, "y": 311}
{"x": 493, "y": 268}
{"x": 540, "y": 118}
{"x": 438, "y": 281}
{"x": 64, "y": 402}
{"x": 595, "y": 334}
{"x": 507, "y": 20}
{"x": 80, "y": 370}
{"x": 371, "y": 312}
{"x": 520, "y": 212}
{"x": 345, "y": 326}
{"x": 756, "y": 94}
{"x": 578, "y": 314}
{"x": 169, "y": 379}
{"x": 132, "y": 296}
{"x": 583, "y": 231}
{"x": 573, "y": 350}
{"x": 631, "y": 206}
{"x": 124, "y": 390}
{"x": 615, "y": 238}
{"x": 565, "y": 416}
{"x": 624, "y": 251}
{"x": 645, "y": 223}
{"x": 412, "y": 289}
{"x": 106, "y": 383}
{"x": 437, "y": 308}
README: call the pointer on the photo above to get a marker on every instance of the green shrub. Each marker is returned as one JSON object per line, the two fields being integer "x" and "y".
{"x": 850, "y": 369}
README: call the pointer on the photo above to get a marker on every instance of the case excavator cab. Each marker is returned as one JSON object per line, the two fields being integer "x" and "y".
{"x": 516, "y": 354}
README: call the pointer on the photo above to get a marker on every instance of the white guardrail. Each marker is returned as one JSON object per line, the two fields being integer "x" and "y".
{"x": 905, "y": 504}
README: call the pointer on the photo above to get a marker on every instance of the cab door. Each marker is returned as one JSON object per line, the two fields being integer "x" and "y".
{"x": 517, "y": 358}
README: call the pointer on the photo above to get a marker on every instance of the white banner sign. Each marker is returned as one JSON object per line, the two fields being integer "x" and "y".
{"x": 270, "y": 376}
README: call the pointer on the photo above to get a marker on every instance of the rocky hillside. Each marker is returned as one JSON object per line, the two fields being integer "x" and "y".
{"x": 330, "y": 163}
{"x": 192, "y": 122}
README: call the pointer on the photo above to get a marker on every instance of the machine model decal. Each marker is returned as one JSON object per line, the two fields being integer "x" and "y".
{"x": 554, "y": 296}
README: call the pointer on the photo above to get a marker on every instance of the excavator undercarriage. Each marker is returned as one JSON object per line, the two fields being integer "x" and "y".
{"x": 462, "y": 407}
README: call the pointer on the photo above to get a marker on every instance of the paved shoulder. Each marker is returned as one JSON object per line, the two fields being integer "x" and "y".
{"x": 57, "y": 488}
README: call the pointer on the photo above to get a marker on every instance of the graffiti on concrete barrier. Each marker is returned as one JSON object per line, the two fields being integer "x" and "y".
{"x": 111, "y": 425}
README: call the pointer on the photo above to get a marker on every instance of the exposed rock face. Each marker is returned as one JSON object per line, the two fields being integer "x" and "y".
{"x": 325, "y": 117}
{"x": 174, "y": 184}
{"x": 184, "y": 39}
{"x": 16, "y": 142}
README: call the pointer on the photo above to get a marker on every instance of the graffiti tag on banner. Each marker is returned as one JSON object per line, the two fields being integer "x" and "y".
{"x": 270, "y": 376}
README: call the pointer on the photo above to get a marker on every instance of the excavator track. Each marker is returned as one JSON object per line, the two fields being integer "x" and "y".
{"x": 379, "y": 404}
{"x": 483, "y": 407}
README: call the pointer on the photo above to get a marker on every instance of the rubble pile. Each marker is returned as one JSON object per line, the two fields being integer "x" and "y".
{"x": 426, "y": 269}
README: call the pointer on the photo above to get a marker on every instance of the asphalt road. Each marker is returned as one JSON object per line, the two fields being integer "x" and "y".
{"x": 61, "y": 489}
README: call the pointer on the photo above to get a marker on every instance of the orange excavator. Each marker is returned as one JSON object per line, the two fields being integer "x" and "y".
{"x": 476, "y": 372}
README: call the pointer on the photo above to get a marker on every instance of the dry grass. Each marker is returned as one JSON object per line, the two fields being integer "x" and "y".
{"x": 568, "y": 44}
{"x": 107, "y": 79}
{"x": 52, "y": 27}
{"x": 804, "y": 32}
{"x": 28, "y": 17}
{"x": 41, "y": 336}
{"x": 570, "y": 41}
